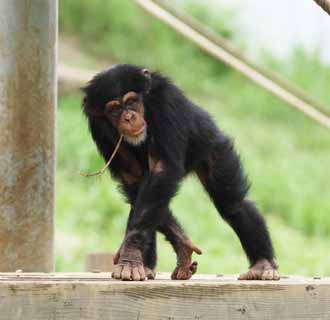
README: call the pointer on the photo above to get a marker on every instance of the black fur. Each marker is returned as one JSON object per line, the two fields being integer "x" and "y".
{"x": 186, "y": 140}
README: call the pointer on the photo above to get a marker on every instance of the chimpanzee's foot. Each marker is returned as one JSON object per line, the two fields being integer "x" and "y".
{"x": 129, "y": 265}
{"x": 261, "y": 270}
{"x": 184, "y": 272}
{"x": 185, "y": 267}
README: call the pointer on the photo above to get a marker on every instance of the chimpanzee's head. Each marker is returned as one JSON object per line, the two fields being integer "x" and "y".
{"x": 117, "y": 94}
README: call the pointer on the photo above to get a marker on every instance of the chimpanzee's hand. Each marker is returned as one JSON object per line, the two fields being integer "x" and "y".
{"x": 129, "y": 265}
{"x": 150, "y": 273}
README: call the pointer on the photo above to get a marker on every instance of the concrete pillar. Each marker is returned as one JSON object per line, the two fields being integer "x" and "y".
{"x": 28, "y": 37}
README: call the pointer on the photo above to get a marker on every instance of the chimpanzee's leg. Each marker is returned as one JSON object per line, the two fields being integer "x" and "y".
{"x": 182, "y": 246}
{"x": 224, "y": 180}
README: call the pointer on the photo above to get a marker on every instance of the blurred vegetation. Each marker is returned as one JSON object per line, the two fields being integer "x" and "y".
{"x": 286, "y": 155}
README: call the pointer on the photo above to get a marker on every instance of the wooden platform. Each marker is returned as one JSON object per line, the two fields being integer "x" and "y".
{"x": 92, "y": 296}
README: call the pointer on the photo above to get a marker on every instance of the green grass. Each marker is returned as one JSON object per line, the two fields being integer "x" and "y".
{"x": 285, "y": 154}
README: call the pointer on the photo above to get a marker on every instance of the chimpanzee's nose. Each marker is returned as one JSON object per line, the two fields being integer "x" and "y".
{"x": 129, "y": 117}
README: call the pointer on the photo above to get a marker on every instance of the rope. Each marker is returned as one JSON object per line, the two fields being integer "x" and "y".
{"x": 220, "y": 53}
{"x": 99, "y": 173}
{"x": 324, "y": 4}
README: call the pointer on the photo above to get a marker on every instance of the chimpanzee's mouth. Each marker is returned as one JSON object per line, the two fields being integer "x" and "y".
{"x": 138, "y": 139}
{"x": 139, "y": 131}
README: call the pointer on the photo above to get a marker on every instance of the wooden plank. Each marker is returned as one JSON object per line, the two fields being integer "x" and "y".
{"x": 95, "y": 296}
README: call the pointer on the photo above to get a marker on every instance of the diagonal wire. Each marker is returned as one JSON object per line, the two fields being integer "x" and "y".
{"x": 324, "y": 4}
{"x": 223, "y": 54}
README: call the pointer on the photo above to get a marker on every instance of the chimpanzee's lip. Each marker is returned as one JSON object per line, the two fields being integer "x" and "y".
{"x": 139, "y": 131}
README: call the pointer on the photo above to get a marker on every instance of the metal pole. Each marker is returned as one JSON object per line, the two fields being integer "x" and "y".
{"x": 28, "y": 38}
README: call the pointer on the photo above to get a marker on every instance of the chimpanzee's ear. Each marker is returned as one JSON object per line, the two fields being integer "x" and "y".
{"x": 147, "y": 75}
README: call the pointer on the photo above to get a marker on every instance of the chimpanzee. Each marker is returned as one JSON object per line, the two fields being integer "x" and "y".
{"x": 165, "y": 137}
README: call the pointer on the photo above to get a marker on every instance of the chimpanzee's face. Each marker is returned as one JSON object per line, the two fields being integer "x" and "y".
{"x": 126, "y": 113}
{"x": 118, "y": 94}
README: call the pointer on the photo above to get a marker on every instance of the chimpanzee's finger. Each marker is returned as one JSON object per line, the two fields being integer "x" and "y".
{"x": 174, "y": 274}
{"x": 135, "y": 274}
{"x": 117, "y": 271}
{"x": 184, "y": 273}
{"x": 126, "y": 273}
{"x": 141, "y": 272}
{"x": 151, "y": 274}
{"x": 193, "y": 267}
{"x": 196, "y": 249}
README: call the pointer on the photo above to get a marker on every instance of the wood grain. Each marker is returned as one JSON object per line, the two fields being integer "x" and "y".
{"x": 95, "y": 296}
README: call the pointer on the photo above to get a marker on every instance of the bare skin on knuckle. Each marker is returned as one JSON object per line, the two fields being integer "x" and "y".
{"x": 135, "y": 274}
{"x": 128, "y": 264}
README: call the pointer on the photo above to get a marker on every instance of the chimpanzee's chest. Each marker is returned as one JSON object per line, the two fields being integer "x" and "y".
{"x": 138, "y": 156}
{"x": 141, "y": 155}
{"x": 137, "y": 161}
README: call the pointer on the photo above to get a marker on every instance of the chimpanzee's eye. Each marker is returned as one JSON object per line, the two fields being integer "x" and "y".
{"x": 113, "y": 105}
{"x": 131, "y": 101}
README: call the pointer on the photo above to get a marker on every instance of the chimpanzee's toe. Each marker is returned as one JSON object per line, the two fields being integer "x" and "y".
{"x": 150, "y": 273}
{"x": 261, "y": 270}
